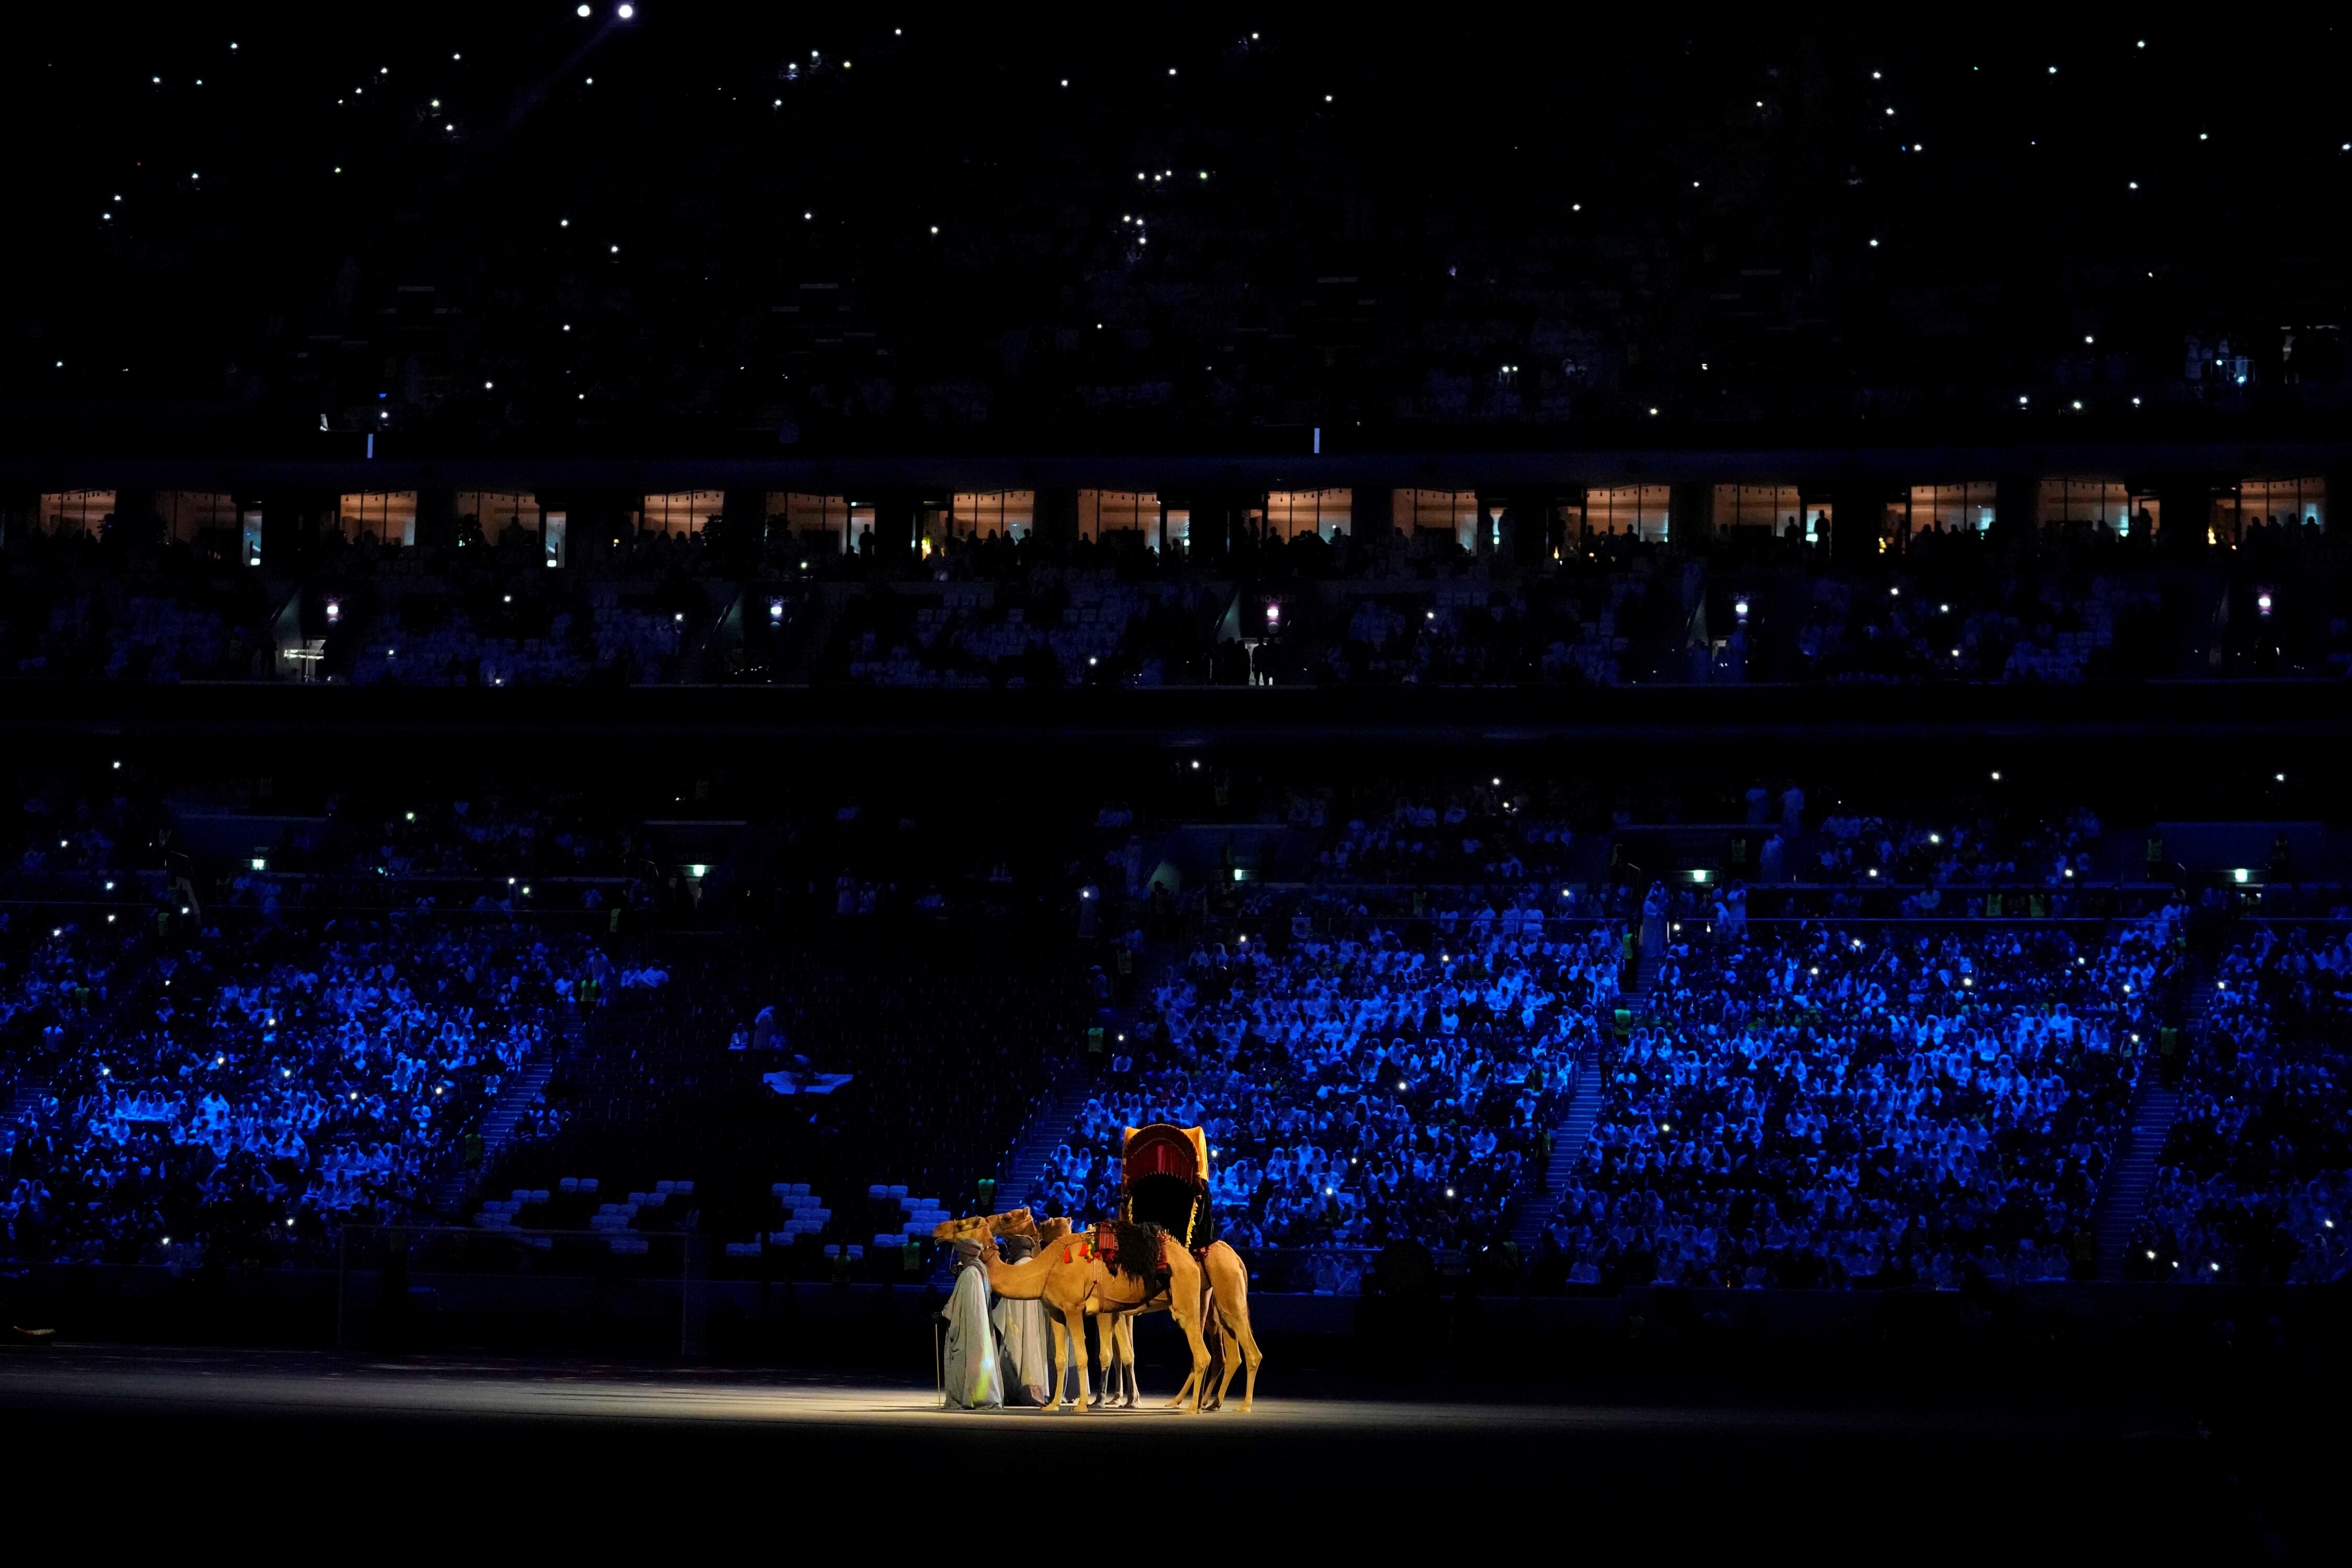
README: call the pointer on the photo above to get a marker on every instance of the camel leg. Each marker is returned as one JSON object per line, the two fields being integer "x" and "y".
{"x": 1184, "y": 1306}
{"x": 1237, "y": 1334}
{"x": 1106, "y": 1349}
{"x": 1078, "y": 1354}
{"x": 1126, "y": 1359}
{"x": 1185, "y": 1390}
{"x": 1057, "y": 1338}
{"x": 1070, "y": 1343}
{"x": 1232, "y": 1294}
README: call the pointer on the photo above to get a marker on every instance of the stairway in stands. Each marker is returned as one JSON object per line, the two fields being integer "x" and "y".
{"x": 1024, "y": 1161}
{"x": 1568, "y": 1141}
{"x": 1574, "y": 1128}
{"x": 23, "y": 1096}
{"x": 2123, "y": 1195}
{"x": 458, "y": 1187}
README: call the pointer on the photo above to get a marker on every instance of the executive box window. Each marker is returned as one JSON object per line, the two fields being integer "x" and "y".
{"x": 1327, "y": 514}
{"x": 187, "y": 513}
{"x": 2107, "y": 503}
{"x": 70, "y": 511}
{"x": 2267, "y": 501}
{"x": 1119, "y": 512}
{"x": 1638, "y": 511}
{"x": 1451, "y": 511}
{"x": 1953, "y": 508}
{"x": 1008, "y": 514}
{"x": 495, "y": 511}
{"x": 1753, "y": 506}
{"x": 388, "y": 516}
{"x": 685, "y": 513}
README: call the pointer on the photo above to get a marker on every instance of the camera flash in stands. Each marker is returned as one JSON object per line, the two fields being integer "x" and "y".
{"x": 334, "y": 610}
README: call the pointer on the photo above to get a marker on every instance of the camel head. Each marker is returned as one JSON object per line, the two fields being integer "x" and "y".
{"x": 1016, "y": 1223}
{"x": 1052, "y": 1231}
{"x": 972, "y": 1227}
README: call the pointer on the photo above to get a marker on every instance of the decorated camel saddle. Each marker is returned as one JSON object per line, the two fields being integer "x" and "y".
{"x": 1166, "y": 1182}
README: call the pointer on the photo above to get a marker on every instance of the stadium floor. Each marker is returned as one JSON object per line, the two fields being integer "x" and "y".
{"x": 579, "y": 1440}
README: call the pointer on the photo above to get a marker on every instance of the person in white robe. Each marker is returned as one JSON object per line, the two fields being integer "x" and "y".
{"x": 969, "y": 1370}
{"x": 1026, "y": 1357}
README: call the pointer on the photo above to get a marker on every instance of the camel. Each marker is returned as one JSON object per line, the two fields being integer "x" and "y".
{"x": 1073, "y": 1274}
{"x": 1114, "y": 1332}
{"x": 1049, "y": 1232}
{"x": 1229, "y": 1298}
{"x": 1115, "y": 1325}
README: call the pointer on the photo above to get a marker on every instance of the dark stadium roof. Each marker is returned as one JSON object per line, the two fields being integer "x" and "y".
{"x": 729, "y": 230}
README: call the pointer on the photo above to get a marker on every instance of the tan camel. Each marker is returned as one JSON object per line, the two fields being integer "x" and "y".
{"x": 1229, "y": 1298}
{"x": 1115, "y": 1330}
{"x": 1049, "y": 1232}
{"x": 1071, "y": 1274}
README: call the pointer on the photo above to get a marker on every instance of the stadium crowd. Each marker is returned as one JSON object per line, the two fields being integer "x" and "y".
{"x": 247, "y": 1091}
{"x": 2256, "y": 1178}
{"x": 757, "y": 602}
{"x": 1832, "y": 1105}
{"x": 1357, "y": 1086}
{"x": 1381, "y": 1022}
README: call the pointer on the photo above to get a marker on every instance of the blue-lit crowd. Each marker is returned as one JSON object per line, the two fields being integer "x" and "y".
{"x": 2254, "y": 1181}
{"x": 1830, "y": 1105}
{"x": 1385, "y": 1047}
{"x": 265, "y": 1087}
{"x": 1357, "y": 1087}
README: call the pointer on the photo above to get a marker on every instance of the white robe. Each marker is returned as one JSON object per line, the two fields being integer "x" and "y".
{"x": 969, "y": 1370}
{"x": 1028, "y": 1359}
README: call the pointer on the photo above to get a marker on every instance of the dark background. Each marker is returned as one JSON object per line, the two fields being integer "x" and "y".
{"x": 1507, "y": 230}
